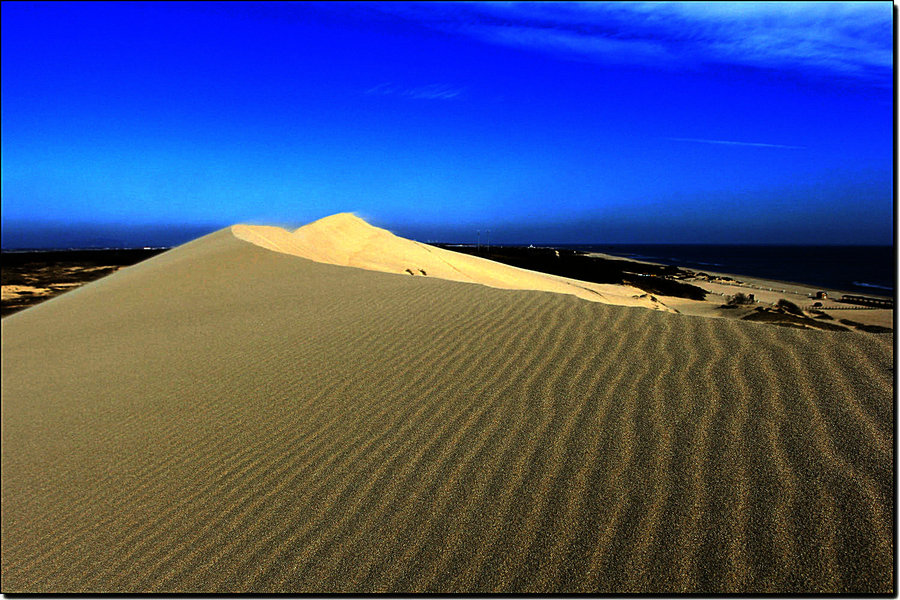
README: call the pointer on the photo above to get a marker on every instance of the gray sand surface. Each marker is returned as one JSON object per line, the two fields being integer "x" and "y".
{"x": 223, "y": 418}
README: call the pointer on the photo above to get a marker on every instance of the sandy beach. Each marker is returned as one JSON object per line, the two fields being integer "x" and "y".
{"x": 237, "y": 415}
{"x": 768, "y": 292}
{"x": 722, "y": 286}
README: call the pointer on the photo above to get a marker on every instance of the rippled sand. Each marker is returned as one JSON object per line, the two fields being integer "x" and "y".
{"x": 224, "y": 418}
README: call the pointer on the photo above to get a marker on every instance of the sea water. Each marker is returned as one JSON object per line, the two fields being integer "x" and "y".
{"x": 863, "y": 269}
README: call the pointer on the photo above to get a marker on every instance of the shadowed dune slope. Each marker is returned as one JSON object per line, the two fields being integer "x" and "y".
{"x": 225, "y": 418}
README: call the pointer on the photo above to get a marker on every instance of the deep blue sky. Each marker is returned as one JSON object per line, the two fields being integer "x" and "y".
{"x": 600, "y": 122}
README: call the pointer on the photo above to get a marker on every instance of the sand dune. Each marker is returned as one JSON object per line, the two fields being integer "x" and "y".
{"x": 224, "y": 418}
{"x": 345, "y": 239}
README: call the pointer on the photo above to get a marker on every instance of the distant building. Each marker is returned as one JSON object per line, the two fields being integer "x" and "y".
{"x": 821, "y": 296}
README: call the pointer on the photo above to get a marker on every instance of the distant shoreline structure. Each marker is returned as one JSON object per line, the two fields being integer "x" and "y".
{"x": 852, "y": 268}
{"x": 87, "y": 249}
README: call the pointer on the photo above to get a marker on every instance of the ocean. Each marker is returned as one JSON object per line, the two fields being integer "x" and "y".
{"x": 861, "y": 269}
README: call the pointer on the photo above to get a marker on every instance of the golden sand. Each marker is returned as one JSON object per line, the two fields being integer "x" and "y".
{"x": 345, "y": 239}
{"x": 224, "y": 418}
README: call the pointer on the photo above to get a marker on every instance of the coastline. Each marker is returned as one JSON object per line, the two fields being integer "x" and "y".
{"x": 769, "y": 292}
{"x": 762, "y": 283}
{"x": 766, "y": 292}
{"x": 858, "y": 270}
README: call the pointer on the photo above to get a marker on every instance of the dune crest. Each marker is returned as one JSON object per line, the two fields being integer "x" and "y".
{"x": 346, "y": 240}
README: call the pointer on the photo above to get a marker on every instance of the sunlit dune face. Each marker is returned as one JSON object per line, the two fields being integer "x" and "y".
{"x": 346, "y": 240}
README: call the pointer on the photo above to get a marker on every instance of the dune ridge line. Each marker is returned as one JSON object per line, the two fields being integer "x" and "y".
{"x": 347, "y": 240}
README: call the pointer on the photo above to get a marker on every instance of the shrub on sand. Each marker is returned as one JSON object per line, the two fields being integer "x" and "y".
{"x": 740, "y": 299}
{"x": 790, "y": 307}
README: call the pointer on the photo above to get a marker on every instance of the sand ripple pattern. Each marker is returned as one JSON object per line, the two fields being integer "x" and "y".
{"x": 226, "y": 419}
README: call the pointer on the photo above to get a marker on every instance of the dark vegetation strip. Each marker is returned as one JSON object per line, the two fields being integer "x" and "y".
{"x": 653, "y": 279}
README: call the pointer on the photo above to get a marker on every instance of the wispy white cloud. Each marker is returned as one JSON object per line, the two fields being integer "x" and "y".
{"x": 382, "y": 89}
{"x": 852, "y": 39}
{"x": 733, "y": 143}
{"x": 436, "y": 91}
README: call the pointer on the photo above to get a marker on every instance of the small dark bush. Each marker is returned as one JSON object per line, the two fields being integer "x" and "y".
{"x": 790, "y": 307}
{"x": 739, "y": 299}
